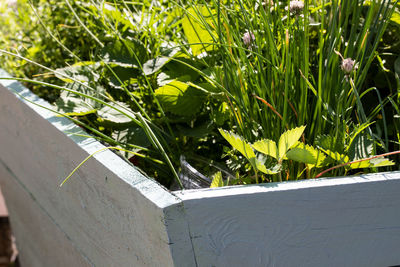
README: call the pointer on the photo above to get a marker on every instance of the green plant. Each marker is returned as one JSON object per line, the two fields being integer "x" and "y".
{"x": 163, "y": 78}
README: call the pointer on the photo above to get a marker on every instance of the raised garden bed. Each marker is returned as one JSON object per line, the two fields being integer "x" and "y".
{"x": 110, "y": 214}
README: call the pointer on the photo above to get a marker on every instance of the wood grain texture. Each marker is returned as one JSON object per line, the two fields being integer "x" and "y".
{"x": 40, "y": 241}
{"x": 329, "y": 222}
{"x": 112, "y": 214}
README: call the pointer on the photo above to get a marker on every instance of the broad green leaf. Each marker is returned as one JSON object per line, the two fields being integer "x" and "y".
{"x": 266, "y": 146}
{"x": 239, "y": 144}
{"x": 288, "y": 139}
{"x": 127, "y": 53}
{"x": 180, "y": 98}
{"x": 317, "y": 154}
{"x": 196, "y": 31}
{"x": 217, "y": 180}
{"x": 301, "y": 155}
{"x": 81, "y": 72}
{"x": 261, "y": 167}
{"x": 73, "y": 105}
{"x": 153, "y": 65}
{"x": 127, "y": 76}
{"x": 115, "y": 116}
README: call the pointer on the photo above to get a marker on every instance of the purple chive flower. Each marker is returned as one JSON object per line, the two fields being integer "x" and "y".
{"x": 248, "y": 39}
{"x": 348, "y": 65}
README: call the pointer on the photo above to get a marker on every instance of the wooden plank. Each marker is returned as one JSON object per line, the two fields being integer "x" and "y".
{"x": 329, "y": 222}
{"x": 111, "y": 212}
{"x": 40, "y": 241}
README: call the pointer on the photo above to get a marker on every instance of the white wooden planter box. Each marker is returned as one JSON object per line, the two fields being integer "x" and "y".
{"x": 109, "y": 214}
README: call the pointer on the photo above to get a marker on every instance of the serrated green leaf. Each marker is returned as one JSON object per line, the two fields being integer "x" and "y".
{"x": 288, "y": 139}
{"x": 195, "y": 30}
{"x": 217, "y": 180}
{"x": 180, "y": 98}
{"x": 381, "y": 162}
{"x": 261, "y": 167}
{"x": 317, "y": 154}
{"x": 301, "y": 155}
{"x": 336, "y": 156}
{"x": 239, "y": 144}
{"x": 378, "y": 162}
{"x": 267, "y": 147}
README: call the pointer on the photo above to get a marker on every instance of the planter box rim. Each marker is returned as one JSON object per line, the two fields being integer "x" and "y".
{"x": 156, "y": 192}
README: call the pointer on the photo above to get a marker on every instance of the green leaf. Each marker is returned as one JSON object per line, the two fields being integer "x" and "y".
{"x": 266, "y": 146}
{"x": 73, "y": 105}
{"x": 330, "y": 143}
{"x": 81, "y": 72}
{"x": 239, "y": 144}
{"x": 395, "y": 18}
{"x": 336, "y": 156}
{"x": 381, "y": 162}
{"x": 115, "y": 116}
{"x": 217, "y": 180}
{"x": 180, "y": 98}
{"x": 320, "y": 158}
{"x": 377, "y": 162}
{"x": 195, "y": 30}
{"x": 288, "y": 139}
{"x": 127, "y": 53}
{"x": 361, "y": 147}
{"x": 132, "y": 135}
{"x": 301, "y": 155}
{"x": 221, "y": 114}
{"x": 261, "y": 167}
{"x": 153, "y": 65}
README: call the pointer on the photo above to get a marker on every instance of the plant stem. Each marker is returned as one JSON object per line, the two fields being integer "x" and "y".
{"x": 357, "y": 161}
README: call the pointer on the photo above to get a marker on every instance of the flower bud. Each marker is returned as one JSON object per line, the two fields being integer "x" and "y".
{"x": 296, "y": 6}
{"x": 347, "y": 65}
{"x": 248, "y": 39}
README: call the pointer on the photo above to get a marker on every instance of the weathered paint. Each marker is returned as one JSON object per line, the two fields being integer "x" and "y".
{"x": 111, "y": 215}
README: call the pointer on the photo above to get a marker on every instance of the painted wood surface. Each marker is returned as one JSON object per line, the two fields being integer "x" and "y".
{"x": 112, "y": 214}
{"x": 43, "y": 243}
{"x": 109, "y": 214}
{"x": 328, "y": 222}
